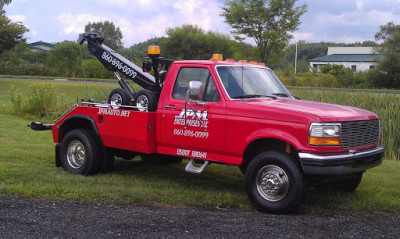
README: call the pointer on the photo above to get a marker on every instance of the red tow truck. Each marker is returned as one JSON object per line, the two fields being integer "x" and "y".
{"x": 214, "y": 111}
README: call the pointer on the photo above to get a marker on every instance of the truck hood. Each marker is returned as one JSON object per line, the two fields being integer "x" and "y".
{"x": 326, "y": 112}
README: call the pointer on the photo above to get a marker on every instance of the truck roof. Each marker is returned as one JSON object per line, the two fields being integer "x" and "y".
{"x": 209, "y": 62}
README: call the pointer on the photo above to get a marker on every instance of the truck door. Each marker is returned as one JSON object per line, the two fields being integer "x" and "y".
{"x": 202, "y": 134}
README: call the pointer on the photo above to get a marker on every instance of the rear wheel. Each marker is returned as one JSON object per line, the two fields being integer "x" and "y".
{"x": 274, "y": 182}
{"x": 80, "y": 152}
{"x": 146, "y": 100}
{"x": 119, "y": 97}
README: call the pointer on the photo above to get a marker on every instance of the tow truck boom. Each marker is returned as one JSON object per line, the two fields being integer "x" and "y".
{"x": 116, "y": 63}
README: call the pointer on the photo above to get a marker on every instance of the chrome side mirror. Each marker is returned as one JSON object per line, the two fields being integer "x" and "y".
{"x": 195, "y": 89}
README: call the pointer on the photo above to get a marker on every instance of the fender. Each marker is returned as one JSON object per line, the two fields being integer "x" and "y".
{"x": 71, "y": 118}
{"x": 272, "y": 133}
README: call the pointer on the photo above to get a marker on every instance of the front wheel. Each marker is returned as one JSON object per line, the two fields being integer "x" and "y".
{"x": 274, "y": 182}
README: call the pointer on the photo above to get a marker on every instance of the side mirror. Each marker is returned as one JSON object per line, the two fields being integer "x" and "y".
{"x": 195, "y": 89}
{"x": 146, "y": 66}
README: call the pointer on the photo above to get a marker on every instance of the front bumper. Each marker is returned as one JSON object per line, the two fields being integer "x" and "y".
{"x": 343, "y": 163}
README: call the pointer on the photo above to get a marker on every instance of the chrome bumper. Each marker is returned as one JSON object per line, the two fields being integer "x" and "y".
{"x": 343, "y": 163}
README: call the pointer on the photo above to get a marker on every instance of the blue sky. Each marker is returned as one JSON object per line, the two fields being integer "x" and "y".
{"x": 326, "y": 20}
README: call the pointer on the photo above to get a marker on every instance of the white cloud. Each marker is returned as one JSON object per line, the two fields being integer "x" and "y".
{"x": 302, "y": 36}
{"x": 360, "y": 5}
{"x": 204, "y": 14}
{"x": 33, "y": 32}
{"x": 161, "y": 16}
{"x": 142, "y": 30}
{"x": 75, "y": 23}
{"x": 117, "y": 2}
{"x": 17, "y": 18}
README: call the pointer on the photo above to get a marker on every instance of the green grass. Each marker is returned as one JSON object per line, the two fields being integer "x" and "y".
{"x": 67, "y": 93}
{"x": 27, "y": 169}
{"x": 27, "y": 165}
{"x": 56, "y": 77}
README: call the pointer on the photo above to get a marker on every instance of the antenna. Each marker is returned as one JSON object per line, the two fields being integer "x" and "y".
{"x": 84, "y": 74}
{"x": 295, "y": 61}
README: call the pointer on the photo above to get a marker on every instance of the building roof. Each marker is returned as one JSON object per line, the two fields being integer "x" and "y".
{"x": 41, "y": 43}
{"x": 349, "y": 58}
{"x": 41, "y": 46}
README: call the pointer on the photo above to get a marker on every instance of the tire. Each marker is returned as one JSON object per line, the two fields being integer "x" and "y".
{"x": 349, "y": 184}
{"x": 119, "y": 97}
{"x": 146, "y": 99}
{"x": 274, "y": 182}
{"x": 81, "y": 152}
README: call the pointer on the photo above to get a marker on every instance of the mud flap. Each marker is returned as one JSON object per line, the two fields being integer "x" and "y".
{"x": 57, "y": 151}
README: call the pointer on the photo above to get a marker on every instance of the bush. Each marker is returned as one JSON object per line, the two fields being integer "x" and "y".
{"x": 94, "y": 69}
{"x": 39, "y": 101}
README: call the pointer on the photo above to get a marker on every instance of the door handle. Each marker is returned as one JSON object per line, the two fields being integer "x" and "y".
{"x": 168, "y": 107}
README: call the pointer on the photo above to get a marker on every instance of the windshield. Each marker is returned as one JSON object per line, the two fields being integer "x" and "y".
{"x": 251, "y": 82}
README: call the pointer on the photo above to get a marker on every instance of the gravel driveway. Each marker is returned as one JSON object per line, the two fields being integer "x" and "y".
{"x": 26, "y": 218}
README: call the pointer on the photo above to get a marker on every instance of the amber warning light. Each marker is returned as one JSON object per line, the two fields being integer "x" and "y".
{"x": 153, "y": 51}
{"x": 216, "y": 57}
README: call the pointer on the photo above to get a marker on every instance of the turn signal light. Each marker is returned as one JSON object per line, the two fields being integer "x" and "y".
{"x": 325, "y": 141}
{"x": 153, "y": 51}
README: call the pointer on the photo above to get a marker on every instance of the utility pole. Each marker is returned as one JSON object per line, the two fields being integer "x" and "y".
{"x": 295, "y": 61}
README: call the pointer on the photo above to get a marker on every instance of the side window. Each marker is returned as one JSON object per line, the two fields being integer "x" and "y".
{"x": 185, "y": 75}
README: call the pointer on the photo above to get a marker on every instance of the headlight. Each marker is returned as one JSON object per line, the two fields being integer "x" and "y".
{"x": 325, "y": 134}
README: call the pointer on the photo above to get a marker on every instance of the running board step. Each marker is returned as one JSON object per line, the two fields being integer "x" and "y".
{"x": 193, "y": 169}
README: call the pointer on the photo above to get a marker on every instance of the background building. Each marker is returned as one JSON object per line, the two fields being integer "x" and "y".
{"x": 41, "y": 46}
{"x": 358, "y": 59}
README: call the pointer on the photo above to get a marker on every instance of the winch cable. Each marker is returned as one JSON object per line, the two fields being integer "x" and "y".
{"x": 84, "y": 74}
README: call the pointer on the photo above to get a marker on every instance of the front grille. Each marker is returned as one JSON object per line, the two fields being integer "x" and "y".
{"x": 360, "y": 133}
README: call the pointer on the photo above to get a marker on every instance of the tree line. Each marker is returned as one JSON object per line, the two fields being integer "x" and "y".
{"x": 268, "y": 23}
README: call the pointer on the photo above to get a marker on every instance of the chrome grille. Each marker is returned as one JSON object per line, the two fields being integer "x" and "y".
{"x": 360, "y": 133}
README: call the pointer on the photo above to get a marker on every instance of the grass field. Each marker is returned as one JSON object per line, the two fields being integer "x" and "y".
{"x": 27, "y": 169}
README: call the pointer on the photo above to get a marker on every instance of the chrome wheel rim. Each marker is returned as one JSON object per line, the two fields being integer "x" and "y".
{"x": 116, "y": 100}
{"x": 142, "y": 101}
{"x": 272, "y": 183}
{"x": 76, "y": 154}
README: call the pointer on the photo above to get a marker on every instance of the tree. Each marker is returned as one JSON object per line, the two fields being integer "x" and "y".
{"x": 390, "y": 64}
{"x": 65, "y": 59}
{"x": 268, "y": 22}
{"x": 112, "y": 36}
{"x": 191, "y": 42}
{"x": 139, "y": 50}
{"x": 11, "y": 33}
{"x": 4, "y": 2}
